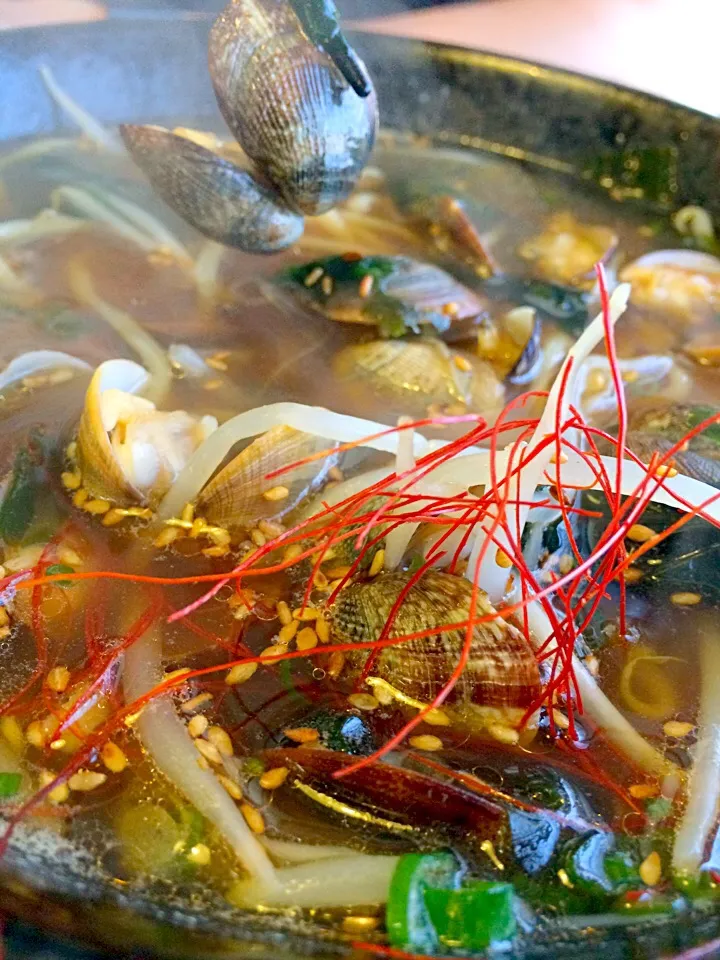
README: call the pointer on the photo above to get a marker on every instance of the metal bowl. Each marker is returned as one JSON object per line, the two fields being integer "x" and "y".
{"x": 144, "y": 70}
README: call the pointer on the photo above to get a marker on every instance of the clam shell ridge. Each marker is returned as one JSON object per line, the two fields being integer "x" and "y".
{"x": 501, "y": 671}
{"x": 418, "y": 373}
{"x": 288, "y": 106}
{"x": 221, "y": 200}
{"x": 234, "y": 499}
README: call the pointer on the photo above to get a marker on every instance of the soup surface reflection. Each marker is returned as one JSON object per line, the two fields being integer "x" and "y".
{"x": 245, "y": 667}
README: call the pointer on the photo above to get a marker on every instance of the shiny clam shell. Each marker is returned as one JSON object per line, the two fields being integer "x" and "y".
{"x": 235, "y": 497}
{"x": 417, "y": 374}
{"x": 395, "y": 294}
{"x": 102, "y": 475}
{"x": 220, "y": 199}
{"x": 288, "y": 106}
{"x": 501, "y": 670}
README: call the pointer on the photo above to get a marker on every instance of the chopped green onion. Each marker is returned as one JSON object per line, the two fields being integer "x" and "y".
{"x": 9, "y": 784}
{"x": 408, "y": 920}
{"x": 473, "y": 918}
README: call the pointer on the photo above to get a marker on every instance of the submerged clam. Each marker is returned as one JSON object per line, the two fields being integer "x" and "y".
{"x": 393, "y": 294}
{"x": 501, "y": 679}
{"x": 658, "y": 427}
{"x": 129, "y": 452}
{"x": 643, "y": 377}
{"x": 418, "y": 374}
{"x": 512, "y": 344}
{"x": 288, "y": 105}
{"x": 567, "y": 250}
{"x": 684, "y": 283}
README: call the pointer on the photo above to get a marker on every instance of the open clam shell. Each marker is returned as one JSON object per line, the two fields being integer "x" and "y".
{"x": 657, "y": 427}
{"x": 102, "y": 473}
{"x": 394, "y": 294}
{"x": 128, "y": 452}
{"x": 219, "y": 198}
{"x": 567, "y": 250}
{"x": 242, "y": 493}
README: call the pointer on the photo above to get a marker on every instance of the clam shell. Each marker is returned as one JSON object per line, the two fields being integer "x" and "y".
{"x": 406, "y": 294}
{"x": 102, "y": 475}
{"x": 658, "y": 427}
{"x": 220, "y": 199}
{"x": 234, "y": 497}
{"x": 501, "y": 670}
{"x": 653, "y": 375}
{"x": 417, "y": 374}
{"x": 288, "y": 105}
{"x": 567, "y": 250}
{"x": 685, "y": 283}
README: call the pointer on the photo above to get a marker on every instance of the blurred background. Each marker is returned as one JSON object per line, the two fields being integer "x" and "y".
{"x": 665, "y": 47}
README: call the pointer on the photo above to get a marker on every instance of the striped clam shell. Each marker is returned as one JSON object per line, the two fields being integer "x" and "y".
{"x": 501, "y": 671}
{"x": 288, "y": 106}
{"x": 235, "y": 497}
{"x": 417, "y": 374}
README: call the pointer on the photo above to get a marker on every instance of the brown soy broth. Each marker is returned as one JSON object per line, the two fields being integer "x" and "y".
{"x": 269, "y": 349}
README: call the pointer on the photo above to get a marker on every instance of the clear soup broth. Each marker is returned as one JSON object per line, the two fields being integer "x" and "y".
{"x": 143, "y": 745}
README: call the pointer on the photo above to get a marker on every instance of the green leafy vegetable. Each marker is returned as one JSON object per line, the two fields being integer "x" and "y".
{"x": 9, "y": 784}
{"x": 56, "y": 568}
{"x": 473, "y": 918}
{"x": 384, "y": 306}
{"x": 658, "y": 808}
{"x": 18, "y": 507}
{"x": 345, "y": 732}
{"x": 253, "y": 767}
{"x": 596, "y": 866}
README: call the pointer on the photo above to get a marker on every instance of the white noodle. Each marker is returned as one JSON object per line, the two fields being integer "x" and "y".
{"x": 125, "y": 217}
{"x": 353, "y": 881}
{"x": 207, "y": 267}
{"x": 492, "y": 576}
{"x": 48, "y": 223}
{"x": 153, "y": 227}
{"x": 89, "y": 206}
{"x": 598, "y": 708}
{"x": 316, "y": 420}
{"x": 147, "y": 348}
{"x": 703, "y": 789}
{"x": 91, "y": 127}
{"x": 292, "y": 852}
{"x": 165, "y": 737}
{"x": 37, "y": 148}
{"x": 10, "y": 281}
